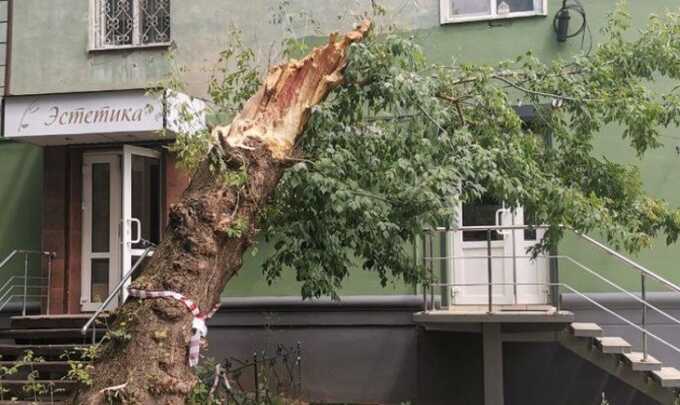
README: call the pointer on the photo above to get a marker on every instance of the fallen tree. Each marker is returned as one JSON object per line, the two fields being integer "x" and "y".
{"x": 210, "y": 228}
{"x": 397, "y": 147}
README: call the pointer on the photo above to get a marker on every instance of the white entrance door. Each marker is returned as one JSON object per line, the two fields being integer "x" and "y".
{"x": 121, "y": 208}
{"x": 101, "y": 215}
{"x": 469, "y": 267}
{"x": 141, "y": 211}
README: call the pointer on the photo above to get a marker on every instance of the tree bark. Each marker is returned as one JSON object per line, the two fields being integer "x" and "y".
{"x": 209, "y": 230}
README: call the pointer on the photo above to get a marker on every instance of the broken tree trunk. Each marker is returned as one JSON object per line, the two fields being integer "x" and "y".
{"x": 209, "y": 230}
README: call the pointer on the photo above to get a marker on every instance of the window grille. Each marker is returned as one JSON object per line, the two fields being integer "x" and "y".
{"x": 129, "y": 23}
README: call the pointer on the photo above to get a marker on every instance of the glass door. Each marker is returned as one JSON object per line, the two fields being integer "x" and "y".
{"x": 101, "y": 215}
{"x": 141, "y": 210}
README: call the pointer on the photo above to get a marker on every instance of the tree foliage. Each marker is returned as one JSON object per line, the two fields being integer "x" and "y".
{"x": 402, "y": 142}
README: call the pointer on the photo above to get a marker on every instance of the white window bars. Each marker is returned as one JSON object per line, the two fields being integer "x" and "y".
{"x": 116, "y": 24}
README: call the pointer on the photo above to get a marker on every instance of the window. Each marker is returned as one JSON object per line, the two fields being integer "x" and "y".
{"x": 119, "y": 24}
{"x": 453, "y": 11}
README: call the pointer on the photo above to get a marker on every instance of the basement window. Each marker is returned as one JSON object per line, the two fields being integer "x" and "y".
{"x": 456, "y": 11}
{"x": 120, "y": 24}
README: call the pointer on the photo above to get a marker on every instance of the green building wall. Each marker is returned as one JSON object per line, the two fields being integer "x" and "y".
{"x": 52, "y": 57}
{"x": 20, "y": 204}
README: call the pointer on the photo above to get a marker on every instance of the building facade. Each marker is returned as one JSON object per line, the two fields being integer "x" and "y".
{"x": 87, "y": 176}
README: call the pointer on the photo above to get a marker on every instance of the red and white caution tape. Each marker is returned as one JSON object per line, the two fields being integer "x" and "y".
{"x": 200, "y": 330}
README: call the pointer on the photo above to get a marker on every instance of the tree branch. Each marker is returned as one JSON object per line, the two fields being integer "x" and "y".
{"x": 538, "y": 93}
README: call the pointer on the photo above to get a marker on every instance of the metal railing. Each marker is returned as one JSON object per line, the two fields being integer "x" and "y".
{"x": 6, "y": 290}
{"x": 627, "y": 321}
{"x": 555, "y": 285}
{"x": 116, "y": 291}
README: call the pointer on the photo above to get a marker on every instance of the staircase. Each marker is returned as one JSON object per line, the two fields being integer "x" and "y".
{"x": 613, "y": 354}
{"x": 43, "y": 349}
{"x": 616, "y": 356}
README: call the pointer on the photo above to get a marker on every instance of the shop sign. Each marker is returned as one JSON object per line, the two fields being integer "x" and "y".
{"x": 82, "y": 113}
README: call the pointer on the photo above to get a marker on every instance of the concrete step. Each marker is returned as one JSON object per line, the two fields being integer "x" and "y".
{"x": 60, "y": 335}
{"x": 667, "y": 377}
{"x": 11, "y": 352}
{"x": 586, "y": 329}
{"x": 612, "y": 345}
{"x": 31, "y": 403}
{"x": 634, "y": 360}
{"x": 40, "y": 366}
{"x": 58, "y": 389}
{"x": 52, "y": 321}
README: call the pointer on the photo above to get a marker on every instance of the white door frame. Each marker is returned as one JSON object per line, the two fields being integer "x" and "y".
{"x": 113, "y": 159}
{"x": 127, "y": 220}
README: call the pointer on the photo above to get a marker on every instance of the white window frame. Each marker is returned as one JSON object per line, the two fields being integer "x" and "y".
{"x": 97, "y": 34}
{"x": 447, "y": 18}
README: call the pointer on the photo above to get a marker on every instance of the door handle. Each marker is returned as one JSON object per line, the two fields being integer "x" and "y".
{"x": 499, "y": 213}
{"x": 139, "y": 230}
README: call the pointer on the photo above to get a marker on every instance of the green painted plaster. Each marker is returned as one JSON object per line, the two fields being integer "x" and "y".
{"x": 52, "y": 57}
{"x": 251, "y": 282}
{"x": 20, "y": 203}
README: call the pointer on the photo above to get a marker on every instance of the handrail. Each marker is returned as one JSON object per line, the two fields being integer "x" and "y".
{"x": 565, "y": 257}
{"x": 585, "y": 297}
{"x": 26, "y": 253}
{"x": 484, "y": 228}
{"x": 8, "y": 258}
{"x": 3, "y": 304}
{"x": 637, "y": 266}
{"x": 11, "y": 288}
{"x": 14, "y": 277}
{"x": 116, "y": 290}
{"x": 641, "y": 270}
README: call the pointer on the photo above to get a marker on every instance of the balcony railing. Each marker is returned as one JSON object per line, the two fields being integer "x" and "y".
{"x": 26, "y": 287}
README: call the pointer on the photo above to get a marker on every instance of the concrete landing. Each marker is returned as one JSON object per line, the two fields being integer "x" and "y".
{"x": 499, "y": 314}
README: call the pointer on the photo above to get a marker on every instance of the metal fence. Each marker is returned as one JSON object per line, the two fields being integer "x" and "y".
{"x": 265, "y": 378}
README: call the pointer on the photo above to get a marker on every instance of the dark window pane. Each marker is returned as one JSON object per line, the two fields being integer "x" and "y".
{"x": 155, "y": 21}
{"x": 146, "y": 203}
{"x": 118, "y": 20}
{"x": 470, "y": 7}
{"x": 100, "y": 207}
{"x": 529, "y": 219}
{"x": 99, "y": 288}
{"x": 480, "y": 212}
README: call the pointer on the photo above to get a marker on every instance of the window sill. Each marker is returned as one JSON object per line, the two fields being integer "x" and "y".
{"x": 129, "y": 47}
{"x": 478, "y": 18}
